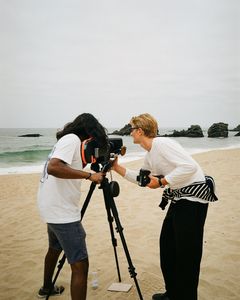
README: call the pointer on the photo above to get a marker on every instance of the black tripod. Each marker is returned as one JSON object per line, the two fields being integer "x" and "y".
{"x": 110, "y": 190}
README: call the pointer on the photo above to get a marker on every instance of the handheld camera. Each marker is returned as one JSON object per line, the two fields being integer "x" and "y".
{"x": 143, "y": 177}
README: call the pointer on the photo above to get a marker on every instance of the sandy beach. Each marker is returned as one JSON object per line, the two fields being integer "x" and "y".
{"x": 24, "y": 240}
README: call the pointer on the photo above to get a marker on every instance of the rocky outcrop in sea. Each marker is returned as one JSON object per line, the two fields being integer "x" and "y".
{"x": 126, "y": 130}
{"x": 235, "y": 129}
{"x": 192, "y": 131}
{"x": 218, "y": 130}
{"x": 30, "y": 135}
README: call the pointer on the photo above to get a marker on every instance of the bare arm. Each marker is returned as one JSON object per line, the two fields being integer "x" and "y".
{"x": 118, "y": 168}
{"x": 60, "y": 169}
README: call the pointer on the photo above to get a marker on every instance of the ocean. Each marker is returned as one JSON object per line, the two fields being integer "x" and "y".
{"x": 20, "y": 155}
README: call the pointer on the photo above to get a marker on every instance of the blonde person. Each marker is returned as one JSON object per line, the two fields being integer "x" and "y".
{"x": 181, "y": 236}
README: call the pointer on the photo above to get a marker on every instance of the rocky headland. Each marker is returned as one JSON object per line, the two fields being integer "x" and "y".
{"x": 216, "y": 130}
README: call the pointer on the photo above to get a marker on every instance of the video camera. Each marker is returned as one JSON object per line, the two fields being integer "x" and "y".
{"x": 92, "y": 153}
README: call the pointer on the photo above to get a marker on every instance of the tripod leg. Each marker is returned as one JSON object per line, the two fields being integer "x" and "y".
{"x": 114, "y": 240}
{"x": 131, "y": 268}
{"x": 89, "y": 195}
{"x": 112, "y": 206}
{"x": 60, "y": 265}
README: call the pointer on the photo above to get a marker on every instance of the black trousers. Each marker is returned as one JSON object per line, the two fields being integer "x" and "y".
{"x": 181, "y": 241}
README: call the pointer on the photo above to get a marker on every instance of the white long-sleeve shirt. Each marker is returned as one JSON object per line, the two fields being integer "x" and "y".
{"x": 168, "y": 158}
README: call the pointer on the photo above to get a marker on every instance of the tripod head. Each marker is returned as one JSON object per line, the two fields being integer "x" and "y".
{"x": 105, "y": 167}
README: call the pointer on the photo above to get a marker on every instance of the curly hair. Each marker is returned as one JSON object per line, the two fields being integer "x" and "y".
{"x": 85, "y": 126}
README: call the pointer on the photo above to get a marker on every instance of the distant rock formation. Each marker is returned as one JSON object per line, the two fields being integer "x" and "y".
{"x": 126, "y": 130}
{"x": 236, "y": 128}
{"x": 218, "y": 130}
{"x": 237, "y": 134}
{"x": 30, "y": 135}
{"x": 192, "y": 131}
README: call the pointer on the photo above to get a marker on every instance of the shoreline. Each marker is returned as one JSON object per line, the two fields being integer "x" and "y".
{"x": 130, "y": 157}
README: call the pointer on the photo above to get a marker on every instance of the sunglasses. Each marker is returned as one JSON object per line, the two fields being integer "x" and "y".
{"x": 132, "y": 128}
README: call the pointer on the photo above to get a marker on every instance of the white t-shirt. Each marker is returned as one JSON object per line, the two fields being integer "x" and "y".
{"x": 58, "y": 199}
{"x": 169, "y": 158}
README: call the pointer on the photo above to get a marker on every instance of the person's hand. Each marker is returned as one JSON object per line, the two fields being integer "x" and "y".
{"x": 114, "y": 163}
{"x": 97, "y": 177}
{"x": 153, "y": 184}
{"x": 116, "y": 167}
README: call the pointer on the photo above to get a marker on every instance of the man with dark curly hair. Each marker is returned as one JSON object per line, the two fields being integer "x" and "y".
{"x": 58, "y": 202}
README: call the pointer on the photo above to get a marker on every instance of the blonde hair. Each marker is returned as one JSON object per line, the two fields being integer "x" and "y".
{"x": 147, "y": 123}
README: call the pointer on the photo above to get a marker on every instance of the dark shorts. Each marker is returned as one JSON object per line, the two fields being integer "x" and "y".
{"x": 70, "y": 238}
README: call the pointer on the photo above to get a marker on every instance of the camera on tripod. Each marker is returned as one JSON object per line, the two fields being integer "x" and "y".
{"x": 143, "y": 178}
{"x": 94, "y": 154}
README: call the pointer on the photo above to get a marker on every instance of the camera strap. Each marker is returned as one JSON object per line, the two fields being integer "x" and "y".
{"x": 85, "y": 156}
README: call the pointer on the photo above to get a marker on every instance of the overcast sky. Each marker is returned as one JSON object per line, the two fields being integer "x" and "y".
{"x": 176, "y": 59}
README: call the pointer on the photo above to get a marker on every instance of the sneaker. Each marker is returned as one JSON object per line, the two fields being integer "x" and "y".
{"x": 160, "y": 296}
{"x": 57, "y": 291}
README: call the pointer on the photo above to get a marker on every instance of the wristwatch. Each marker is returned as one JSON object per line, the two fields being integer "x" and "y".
{"x": 160, "y": 182}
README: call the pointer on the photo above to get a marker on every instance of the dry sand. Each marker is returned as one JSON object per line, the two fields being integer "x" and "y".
{"x": 24, "y": 240}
